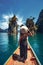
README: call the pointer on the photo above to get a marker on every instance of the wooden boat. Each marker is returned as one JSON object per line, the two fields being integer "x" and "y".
{"x": 31, "y": 58}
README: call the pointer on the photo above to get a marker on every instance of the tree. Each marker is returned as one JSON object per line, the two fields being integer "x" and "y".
{"x": 39, "y": 22}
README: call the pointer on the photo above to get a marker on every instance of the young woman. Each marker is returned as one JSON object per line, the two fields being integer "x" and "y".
{"x": 24, "y": 33}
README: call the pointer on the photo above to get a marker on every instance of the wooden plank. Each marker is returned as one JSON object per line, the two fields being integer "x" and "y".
{"x": 31, "y": 58}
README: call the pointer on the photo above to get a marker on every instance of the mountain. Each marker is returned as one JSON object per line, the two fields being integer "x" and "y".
{"x": 1, "y": 30}
{"x": 39, "y": 22}
{"x": 30, "y": 24}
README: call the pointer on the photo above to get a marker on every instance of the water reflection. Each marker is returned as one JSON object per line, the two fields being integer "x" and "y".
{"x": 8, "y": 44}
{"x": 3, "y": 42}
{"x": 37, "y": 44}
{"x": 13, "y": 39}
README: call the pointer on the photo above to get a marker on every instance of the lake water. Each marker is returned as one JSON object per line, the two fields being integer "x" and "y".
{"x": 37, "y": 44}
{"x": 9, "y": 43}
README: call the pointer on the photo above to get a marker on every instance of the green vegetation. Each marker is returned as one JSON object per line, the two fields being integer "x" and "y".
{"x": 30, "y": 24}
{"x": 39, "y": 22}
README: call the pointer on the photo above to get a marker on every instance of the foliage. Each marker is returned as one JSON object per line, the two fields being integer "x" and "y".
{"x": 39, "y": 22}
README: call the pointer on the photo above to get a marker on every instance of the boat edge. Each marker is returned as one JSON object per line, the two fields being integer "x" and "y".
{"x": 34, "y": 53}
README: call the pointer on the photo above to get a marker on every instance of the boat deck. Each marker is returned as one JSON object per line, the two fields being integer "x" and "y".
{"x": 31, "y": 60}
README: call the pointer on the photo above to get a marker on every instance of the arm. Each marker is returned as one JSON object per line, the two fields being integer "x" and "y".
{"x": 25, "y": 35}
{"x": 29, "y": 33}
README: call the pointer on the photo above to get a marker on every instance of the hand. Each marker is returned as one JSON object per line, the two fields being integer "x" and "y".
{"x": 29, "y": 34}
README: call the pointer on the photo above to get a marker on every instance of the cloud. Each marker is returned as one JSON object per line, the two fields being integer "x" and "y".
{"x": 4, "y": 25}
{"x": 20, "y": 20}
{"x": 5, "y": 18}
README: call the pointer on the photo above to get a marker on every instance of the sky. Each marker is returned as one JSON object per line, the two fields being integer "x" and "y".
{"x": 23, "y": 9}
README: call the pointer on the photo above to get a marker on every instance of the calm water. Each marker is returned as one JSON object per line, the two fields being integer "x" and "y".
{"x": 8, "y": 43}
{"x": 37, "y": 44}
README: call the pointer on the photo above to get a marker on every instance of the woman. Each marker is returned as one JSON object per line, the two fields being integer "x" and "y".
{"x": 24, "y": 33}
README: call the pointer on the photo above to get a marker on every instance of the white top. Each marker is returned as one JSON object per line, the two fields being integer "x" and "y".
{"x": 24, "y": 29}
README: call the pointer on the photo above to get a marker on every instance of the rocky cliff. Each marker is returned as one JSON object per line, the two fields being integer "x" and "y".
{"x": 13, "y": 25}
{"x": 39, "y": 22}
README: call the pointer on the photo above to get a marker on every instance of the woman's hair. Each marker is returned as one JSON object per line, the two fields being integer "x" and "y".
{"x": 21, "y": 25}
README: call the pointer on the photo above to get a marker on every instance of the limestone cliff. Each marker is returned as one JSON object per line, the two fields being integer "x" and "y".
{"x": 39, "y": 22}
{"x": 13, "y": 25}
